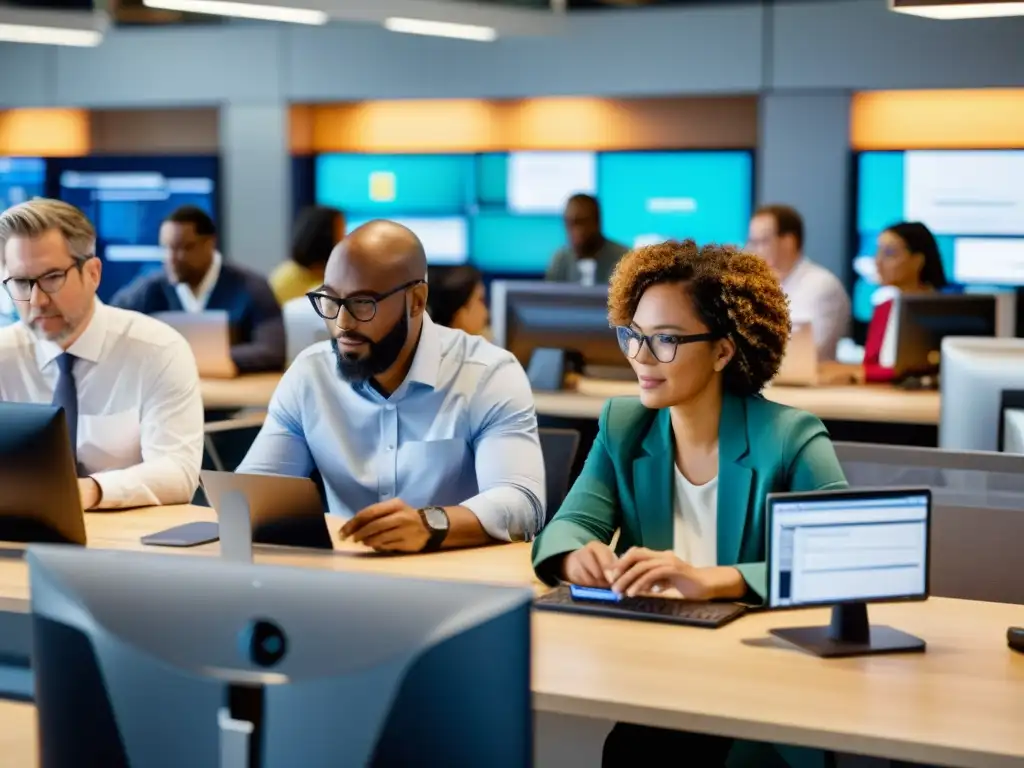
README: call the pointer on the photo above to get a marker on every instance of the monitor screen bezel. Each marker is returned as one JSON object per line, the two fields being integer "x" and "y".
{"x": 858, "y": 494}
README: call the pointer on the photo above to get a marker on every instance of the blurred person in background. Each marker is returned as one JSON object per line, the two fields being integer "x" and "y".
{"x": 197, "y": 278}
{"x": 317, "y": 230}
{"x": 590, "y": 257}
{"x": 457, "y": 299}
{"x": 908, "y": 262}
{"x": 816, "y": 296}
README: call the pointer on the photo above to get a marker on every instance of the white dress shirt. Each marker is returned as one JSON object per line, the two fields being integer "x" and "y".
{"x": 196, "y": 301}
{"x": 695, "y": 522}
{"x": 816, "y": 296}
{"x": 140, "y": 411}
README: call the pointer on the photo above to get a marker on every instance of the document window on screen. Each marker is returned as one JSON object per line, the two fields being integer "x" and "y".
{"x": 848, "y": 549}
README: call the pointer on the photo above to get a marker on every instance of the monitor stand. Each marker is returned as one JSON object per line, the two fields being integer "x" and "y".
{"x": 850, "y": 634}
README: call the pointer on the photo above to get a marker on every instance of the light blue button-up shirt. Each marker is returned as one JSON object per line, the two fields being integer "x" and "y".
{"x": 461, "y": 430}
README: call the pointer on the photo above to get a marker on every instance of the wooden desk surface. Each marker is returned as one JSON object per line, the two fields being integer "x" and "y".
{"x": 250, "y": 391}
{"x": 958, "y": 704}
{"x": 509, "y": 564}
{"x": 865, "y": 404}
{"x": 18, "y": 748}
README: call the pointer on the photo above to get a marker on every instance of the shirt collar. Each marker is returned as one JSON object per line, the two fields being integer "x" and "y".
{"x": 196, "y": 301}
{"x": 88, "y": 346}
{"x": 427, "y": 360}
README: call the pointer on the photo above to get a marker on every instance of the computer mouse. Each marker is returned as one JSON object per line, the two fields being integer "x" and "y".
{"x": 1015, "y": 638}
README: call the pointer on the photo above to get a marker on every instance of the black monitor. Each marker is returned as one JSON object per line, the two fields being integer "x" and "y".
{"x": 167, "y": 661}
{"x": 924, "y": 320}
{"x": 846, "y": 549}
{"x": 563, "y": 323}
{"x": 39, "y": 499}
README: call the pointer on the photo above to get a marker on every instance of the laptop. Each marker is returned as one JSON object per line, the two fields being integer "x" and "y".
{"x": 209, "y": 335}
{"x": 284, "y": 511}
{"x": 800, "y": 365}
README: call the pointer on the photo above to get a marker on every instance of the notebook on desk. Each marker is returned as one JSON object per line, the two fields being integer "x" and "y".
{"x": 209, "y": 335}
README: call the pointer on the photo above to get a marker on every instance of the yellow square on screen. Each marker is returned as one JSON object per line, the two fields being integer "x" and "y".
{"x": 382, "y": 186}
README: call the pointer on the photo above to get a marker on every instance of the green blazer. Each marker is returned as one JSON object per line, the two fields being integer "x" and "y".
{"x": 627, "y": 483}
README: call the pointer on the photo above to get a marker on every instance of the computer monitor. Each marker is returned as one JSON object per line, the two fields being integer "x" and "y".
{"x": 157, "y": 660}
{"x": 846, "y": 549}
{"x": 924, "y": 320}
{"x": 974, "y": 374}
{"x": 529, "y": 317}
{"x": 39, "y": 499}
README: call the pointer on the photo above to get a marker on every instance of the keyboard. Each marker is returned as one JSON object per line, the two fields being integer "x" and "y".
{"x": 661, "y": 609}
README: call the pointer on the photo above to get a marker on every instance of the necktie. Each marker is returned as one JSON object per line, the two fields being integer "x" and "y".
{"x": 65, "y": 395}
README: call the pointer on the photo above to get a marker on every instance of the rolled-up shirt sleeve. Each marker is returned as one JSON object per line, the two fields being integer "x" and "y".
{"x": 170, "y": 437}
{"x": 509, "y": 463}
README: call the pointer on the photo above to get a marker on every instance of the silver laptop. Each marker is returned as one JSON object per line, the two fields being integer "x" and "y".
{"x": 800, "y": 365}
{"x": 209, "y": 335}
{"x": 286, "y": 511}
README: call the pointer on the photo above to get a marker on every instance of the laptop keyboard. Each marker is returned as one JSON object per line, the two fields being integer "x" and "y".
{"x": 653, "y": 608}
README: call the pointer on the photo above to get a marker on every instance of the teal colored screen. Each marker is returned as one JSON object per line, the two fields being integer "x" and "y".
{"x": 507, "y": 243}
{"x": 474, "y": 186}
{"x": 717, "y": 185}
{"x": 424, "y": 185}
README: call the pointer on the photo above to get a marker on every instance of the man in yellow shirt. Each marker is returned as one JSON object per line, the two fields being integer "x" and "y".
{"x": 317, "y": 230}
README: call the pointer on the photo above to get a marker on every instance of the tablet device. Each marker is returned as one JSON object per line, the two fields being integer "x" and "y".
{"x": 187, "y": 535}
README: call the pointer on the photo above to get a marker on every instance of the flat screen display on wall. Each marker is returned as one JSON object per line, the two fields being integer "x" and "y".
{"x": 21, "y": 179}
{"x": 510, "y": 204}
{"x": 972, "y": 200}
{"x": 127, "y": 198}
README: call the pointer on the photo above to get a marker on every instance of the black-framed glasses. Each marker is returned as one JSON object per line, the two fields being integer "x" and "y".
{"x": 363, "y": 308}
{"x": 20, "y": 288}
{"x": 662, "y": 345}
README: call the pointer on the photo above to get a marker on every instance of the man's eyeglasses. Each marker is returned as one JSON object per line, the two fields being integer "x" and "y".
{"x": 662, "y": 345}
{"x": 20, "y": 288}
{"x": 362, "y": 308}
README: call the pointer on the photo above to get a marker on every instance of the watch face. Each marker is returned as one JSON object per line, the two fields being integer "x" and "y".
{"x": 437, "y": 518}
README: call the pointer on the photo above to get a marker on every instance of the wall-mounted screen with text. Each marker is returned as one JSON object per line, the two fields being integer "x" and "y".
{"x": 502, "y": 212}
{"x": 972, "y": 200}
{"x": 127, "y": 199}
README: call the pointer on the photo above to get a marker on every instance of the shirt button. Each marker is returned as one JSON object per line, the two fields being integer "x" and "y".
{"x": 389, "y": 407}
{"x": 391, "y": 447}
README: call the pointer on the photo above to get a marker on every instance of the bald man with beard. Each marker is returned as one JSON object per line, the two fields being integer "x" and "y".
{"x": 426, "y": 437}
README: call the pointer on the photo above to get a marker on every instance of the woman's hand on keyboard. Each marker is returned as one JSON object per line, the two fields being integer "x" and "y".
{"x": 587, "y": 567}
{"x": 644, "y": 571}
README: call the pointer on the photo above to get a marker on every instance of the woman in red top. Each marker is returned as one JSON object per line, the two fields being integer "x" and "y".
{"x": 908, "y": 261}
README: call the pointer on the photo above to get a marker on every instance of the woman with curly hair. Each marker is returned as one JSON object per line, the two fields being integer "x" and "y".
{"x": 683, "y": 472}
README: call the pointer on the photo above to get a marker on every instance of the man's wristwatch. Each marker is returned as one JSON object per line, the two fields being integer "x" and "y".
{"x": 435, "y": 520}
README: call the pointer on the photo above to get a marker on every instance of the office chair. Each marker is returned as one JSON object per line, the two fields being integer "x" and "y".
{"x": 559, "y": 447}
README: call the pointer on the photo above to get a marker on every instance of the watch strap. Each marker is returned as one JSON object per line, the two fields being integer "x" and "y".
{"x": 437, "y": 535}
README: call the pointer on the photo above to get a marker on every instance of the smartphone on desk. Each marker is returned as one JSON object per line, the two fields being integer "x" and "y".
{"x": 593, "y": 594}
{"x": 187, "y": 535}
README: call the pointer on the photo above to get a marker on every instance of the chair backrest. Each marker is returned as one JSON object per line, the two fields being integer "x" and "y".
{"x": 977, "y": 531}
{"x": 559, "y": 447}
